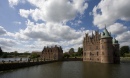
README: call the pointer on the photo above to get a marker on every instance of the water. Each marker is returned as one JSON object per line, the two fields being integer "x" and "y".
{"x": 12, "y": 59}
{"x": 71, "y": 69}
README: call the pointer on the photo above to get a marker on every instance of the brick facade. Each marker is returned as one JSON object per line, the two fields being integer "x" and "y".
{"x": 52, "y": 53}
{"x": 97, "y": 49}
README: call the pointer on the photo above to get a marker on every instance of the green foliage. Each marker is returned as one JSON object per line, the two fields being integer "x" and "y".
{"x": 123, "y": 50}
{"x": 80, "y": 51}
{"x": 66, "y": 55}
{"x": 71, "y": 51}
{"x": 4, "y": 55}
{"x": 34, "y": 55}
{"x": 26, "y": 53}
{"x": 15, "y": 53}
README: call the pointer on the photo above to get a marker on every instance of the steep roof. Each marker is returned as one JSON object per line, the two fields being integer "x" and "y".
{"x": 105, "y": 34}
{"x": 114, "y": 41}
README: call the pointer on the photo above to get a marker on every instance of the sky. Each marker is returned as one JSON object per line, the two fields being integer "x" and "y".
{"x": 29, "y": 25}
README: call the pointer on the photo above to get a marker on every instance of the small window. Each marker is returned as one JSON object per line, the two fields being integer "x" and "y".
{"x": 97, "y": 53}
{"x": 102, "y": 53}
{"x": 84, "y": 54}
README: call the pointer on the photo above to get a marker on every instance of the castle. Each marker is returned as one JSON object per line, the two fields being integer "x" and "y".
{"x": 101, "y": 48}
{"x": 52, "y": 53}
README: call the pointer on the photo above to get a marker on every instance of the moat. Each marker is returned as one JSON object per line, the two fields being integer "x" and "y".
{"x": 71, "y": 69}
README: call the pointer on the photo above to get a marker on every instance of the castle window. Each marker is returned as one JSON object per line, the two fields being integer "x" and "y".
{"x": 97, "y": 53}
{"x": 102, "y": 53}
{"x": 84, "y": 54}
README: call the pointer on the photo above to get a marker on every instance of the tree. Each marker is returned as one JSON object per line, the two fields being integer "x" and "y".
{"x": 1, "y": 52}
{"x": 71, "y": 51}
{"x": 15, "y": 53}
{"x": 26, "y": 53}
{"x": 124, "y": 49}
{"x": 66, "y": 55}
{"x": 4, "y": 55}
{"x": 34, "y": 55}
{"x": 80, "y": 51}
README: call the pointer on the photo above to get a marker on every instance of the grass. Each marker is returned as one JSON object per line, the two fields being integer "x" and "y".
{"x": 125, "y": 58}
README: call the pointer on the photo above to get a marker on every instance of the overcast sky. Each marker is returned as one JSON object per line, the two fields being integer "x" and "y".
{"x": 29, "y": 25}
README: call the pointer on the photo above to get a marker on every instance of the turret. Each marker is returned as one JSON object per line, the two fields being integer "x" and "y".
{"x": 106, "y": 47}
{"x": 116, "y": 54}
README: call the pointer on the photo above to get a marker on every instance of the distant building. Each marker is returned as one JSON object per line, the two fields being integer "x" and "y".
{"x": 52, "y": 53}
{"x": 101, "y": 48}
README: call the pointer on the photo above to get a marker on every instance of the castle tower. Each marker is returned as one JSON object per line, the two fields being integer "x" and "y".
{"x": 116, "y": 54}
{"x": 106, "y": 47}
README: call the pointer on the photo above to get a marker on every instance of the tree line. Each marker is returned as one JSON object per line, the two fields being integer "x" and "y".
{"x": 13, "y": 54}
{"x": 72, "y": 53}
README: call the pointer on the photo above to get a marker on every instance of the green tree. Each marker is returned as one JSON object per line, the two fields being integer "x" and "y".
{"x": 66, "y": 55}
{"x": 1, "y": 52}
{"x": 124, "y": 49}
{"x": 15, "y": 53}
{"x": 26, "y": 53}
{"x": 80, "y": 51}
{"x": 4, "y": 55}
{"x": 71, "y": 51}
{"x": 34, "y": 55}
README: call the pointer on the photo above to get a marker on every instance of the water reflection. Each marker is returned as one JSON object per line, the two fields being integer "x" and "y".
{"x": 71, "y": 69}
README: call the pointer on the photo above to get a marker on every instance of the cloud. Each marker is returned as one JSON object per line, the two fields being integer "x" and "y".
{"x": 7, "y": 42}
{"x": 109, "y": 11}
{"x": 2, "y": 31}
{"x": 48, "y": 32}
{"x": 124, "y": 36}
{"x": 54, "y": 10}
{"x": 53, "y": 31}
{"x": 13, "y": 3}
{"x": 117, "y": 28}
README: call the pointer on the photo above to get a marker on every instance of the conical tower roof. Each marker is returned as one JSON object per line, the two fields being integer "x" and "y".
{"x": 105, "y": 34}
{"x": 114, "y": 41}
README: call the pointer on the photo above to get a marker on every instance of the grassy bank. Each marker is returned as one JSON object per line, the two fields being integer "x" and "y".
{"x": 125, "y": 58}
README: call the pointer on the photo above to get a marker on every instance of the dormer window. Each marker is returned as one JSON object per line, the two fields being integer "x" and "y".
{"x": 103, "y": 33}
